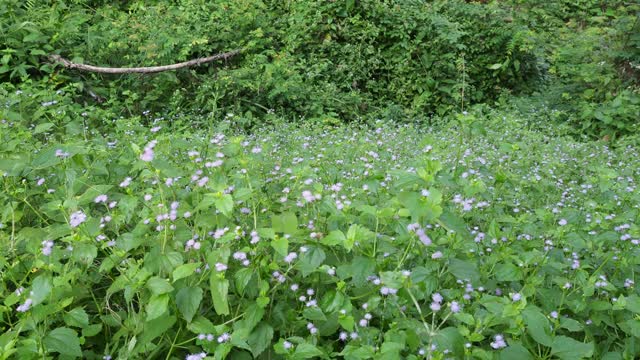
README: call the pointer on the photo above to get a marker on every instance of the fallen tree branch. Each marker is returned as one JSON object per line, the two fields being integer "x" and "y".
{"x": 145, "y": 70}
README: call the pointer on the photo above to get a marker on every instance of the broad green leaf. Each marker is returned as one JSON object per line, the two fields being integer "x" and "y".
{"x": 253, "y": 315}
{"x": 508, "y": 272}
{"x": 159, "y": 285}
{"x": 633, "y": 303}
{"x": 570, "y": 324}
{"x": 360, "y": 352}
{"x": 91, "y": 330}
{"x": 77, "y": 317}
{"x": 156, "y": 327}
{"x": 64, "y": 341}
{"x": 347, "y": 322}
{"x": 311, "y": 260}
{"x": 184, "y": 271}
{"x": 260, "y": 338}
{"x": 188, "y": 301}
{"x": 280, "y": 245}
{"x": 306, "y": 351}
{"x": 570, "y": 349}
{"x": 360, "y": 269}
{"x": 40, "y": 289}
{"x": 314, "y": 314}
{"x": 242, "y": 278}
{"x": 286, "y": 223}
{"x": 42, "y": 128}
{"x": 201, "y": 325}
{"x": 128, "y": 241}
{"x": 207, "y": 201}
{"x": 515, "y": 351}
{"x": 464, "y": 270}
{"x": 224, "y": 204}
{"x": 219, "y": 292}
{"x": 336, "y": 237}
{"x": 450, "y": 338}
{"x": 631, "y": 326}
{"x": 157, "y": 306}
{"x": 452, "y": 222}
{"x": 390, "y": 351}
{"x": 537, "y": 325}
{"x": 85, "y": 253}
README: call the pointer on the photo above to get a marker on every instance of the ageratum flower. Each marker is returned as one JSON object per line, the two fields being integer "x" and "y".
{"x": 77, "y": 218}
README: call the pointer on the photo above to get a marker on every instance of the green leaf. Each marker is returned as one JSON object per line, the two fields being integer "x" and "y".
{"x": 336, "y": 237}
{"x": 452, "y": 222}
{"x": 219, "y": 292}
{"x": 77, "y": 317}
{"x": 631, "y": 326}
{"x": 157, "y": 306}
{"x": 390, "y": 351}
{"x": 242, "y": 278}
{"x": 633, "y": 303}
{"x": 159, "y": 285}
{"x": 224, "y": 204}
{"x": 155, "y": 328}
{"x": 360, "y": 352}
{"x": 206, "y": 202}
{"x": 360, "y": 269}
{"x": 253, "y": 315}
{"x": 306, "y": 351}
{"x": 537, "y": 325}
{"x": 280, "y": 245}
{"x": 311, "y": 260}
{"x": 570, "y": 324}
{"x": 508, "y": 272}
{"x": 64, "y": 341}
{"x": 91, "y": 330}
{"x": 42, "y": 128}
{"x": 286, "y": 223}
{"x": 515, "y": 351}
{"x": 40, "y": 289}
{"x": 313, "y": 314}
{"x": 464, "y": 270}
{"x": 85, "y": 253}
{"x": 570, "y": 349}
{"x": 201, "y": 325}
{"x": 450, "y": 338}
{"x": 260, "y": 338}
{"x": 184, "y": 271}
{"x": 355, "y": 233}
{"x": 421, "y": 208}
{"x": 128, "y": 241}
{"x": 188, "y": 301}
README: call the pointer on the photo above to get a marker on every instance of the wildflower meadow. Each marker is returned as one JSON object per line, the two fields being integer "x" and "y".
{"x": 213, "y": 213}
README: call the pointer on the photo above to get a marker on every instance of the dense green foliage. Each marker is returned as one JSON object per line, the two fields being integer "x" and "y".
{"x": 313, "y": 58}
{"x": 365, "y": 180}
{"x": 593, "y": 61}
{"x": 339, "y": 60}
{"x": 528, "y": 237}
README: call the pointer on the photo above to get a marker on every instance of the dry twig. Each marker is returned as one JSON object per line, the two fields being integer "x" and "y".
{"x": 144, "y": 70}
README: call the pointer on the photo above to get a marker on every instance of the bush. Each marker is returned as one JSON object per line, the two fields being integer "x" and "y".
{"x": 311, "y": 58}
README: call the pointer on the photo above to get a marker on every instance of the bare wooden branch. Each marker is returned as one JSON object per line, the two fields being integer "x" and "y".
{"x": 145, "y": 70}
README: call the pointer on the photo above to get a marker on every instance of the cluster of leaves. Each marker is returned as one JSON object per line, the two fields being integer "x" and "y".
{"x": 314, "y": 58}
{"x": 479, "y": 240}
{"x": 593, "y": 61}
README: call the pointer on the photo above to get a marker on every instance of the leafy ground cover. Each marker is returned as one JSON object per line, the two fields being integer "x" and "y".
{"x": 324, "y": 193}
{"x": 485, "y": 237}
